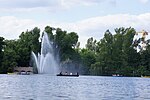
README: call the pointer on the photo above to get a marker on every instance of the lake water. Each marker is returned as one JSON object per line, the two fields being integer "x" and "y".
{"x": 47, "y": 87}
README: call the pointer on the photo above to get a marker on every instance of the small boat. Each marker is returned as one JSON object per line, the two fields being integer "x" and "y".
{"x": 68, "y": 75}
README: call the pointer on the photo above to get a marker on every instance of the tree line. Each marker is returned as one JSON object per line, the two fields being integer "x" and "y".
{"x": 113, "y": 54}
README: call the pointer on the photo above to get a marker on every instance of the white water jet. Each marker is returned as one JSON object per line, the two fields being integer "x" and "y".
{"x": 46, "y": 61}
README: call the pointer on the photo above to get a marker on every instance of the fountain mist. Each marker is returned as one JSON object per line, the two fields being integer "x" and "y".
{"x": 46, "y": 61}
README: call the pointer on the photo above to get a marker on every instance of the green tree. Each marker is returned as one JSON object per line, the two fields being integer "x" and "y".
{"x": 10, "y": 56}
{"x": 115, "y": 54}
{"x": 105, "y": 49}
{"x": 88, "y": 58}
{"x": 130, "y": 57}
{"x": 28, "y": 41}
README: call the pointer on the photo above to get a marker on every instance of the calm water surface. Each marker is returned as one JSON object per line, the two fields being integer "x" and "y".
{"x": 47, "y": 87}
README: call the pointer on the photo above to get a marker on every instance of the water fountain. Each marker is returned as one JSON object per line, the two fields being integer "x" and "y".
{"x": 46, "y": 61}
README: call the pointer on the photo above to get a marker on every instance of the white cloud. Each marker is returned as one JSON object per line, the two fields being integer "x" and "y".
{"x": 31, "y": 6}
{"x": 45, "y": 5}
{"x": 95, "y": 27}
{"x": 69, "y": 3}
{"x": 11, "y": 27}
{"x": 144, "y": 1}
{"x": 27, "y": 3}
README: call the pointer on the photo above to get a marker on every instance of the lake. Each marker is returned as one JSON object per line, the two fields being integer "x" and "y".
{"x": 47, "y": 87}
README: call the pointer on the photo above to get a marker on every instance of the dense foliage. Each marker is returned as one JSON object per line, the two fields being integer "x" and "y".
{"x": 113, "y": 54}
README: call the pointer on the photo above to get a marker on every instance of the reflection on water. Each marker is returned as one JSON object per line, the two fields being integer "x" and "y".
{"x": 46, "y": 87}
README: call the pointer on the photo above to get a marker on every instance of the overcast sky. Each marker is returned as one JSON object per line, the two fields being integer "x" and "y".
{"x": 89, "y": 18}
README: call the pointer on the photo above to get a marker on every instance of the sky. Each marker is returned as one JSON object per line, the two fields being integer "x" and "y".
{"x": 88, "y": 18}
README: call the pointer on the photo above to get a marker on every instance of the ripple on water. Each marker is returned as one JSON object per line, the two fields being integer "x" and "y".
{"x": 46, "y": 87}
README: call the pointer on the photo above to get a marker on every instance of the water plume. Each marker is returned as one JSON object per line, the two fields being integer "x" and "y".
{"x": 46, "y": 62}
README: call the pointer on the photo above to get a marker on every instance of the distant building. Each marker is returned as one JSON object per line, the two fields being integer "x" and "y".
{"x": 23, "y": 70}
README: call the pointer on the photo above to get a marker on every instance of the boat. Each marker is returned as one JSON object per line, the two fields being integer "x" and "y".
{"x": 68, "y": 75}
{"x": 71, "y": 75}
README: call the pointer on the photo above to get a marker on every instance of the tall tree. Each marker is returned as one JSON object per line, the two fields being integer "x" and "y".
{"x": 130, "y": 57}
{"x": 105, "y": 52}
{"x": 10, "y": 57}
{"x": 28, "y": 41}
